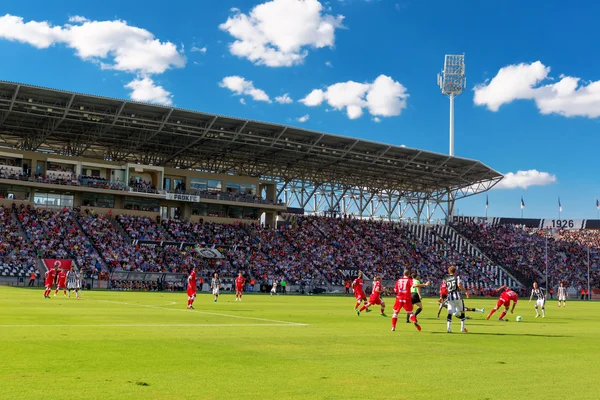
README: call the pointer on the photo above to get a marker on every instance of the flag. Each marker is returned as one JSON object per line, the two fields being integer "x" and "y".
{"x": 486, "y": 202}
{"x": 559, "y": 206}
{"x": 522, "y": 203}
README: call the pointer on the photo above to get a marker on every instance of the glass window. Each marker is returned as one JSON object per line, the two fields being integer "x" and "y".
{"x": 98, "y": 200}
{"x": 167, "y": 184}
{"x": 214, "y": 185}
{"x": 200, "y": 209}
{"x": 198, "y": 184}
{"x": 141, "y": 204}
{"x": 14, "y": 192}
{"x": 53, "y": 199}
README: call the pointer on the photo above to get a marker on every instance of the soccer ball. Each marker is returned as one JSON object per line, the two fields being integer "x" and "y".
{"x": 519, "y": 318}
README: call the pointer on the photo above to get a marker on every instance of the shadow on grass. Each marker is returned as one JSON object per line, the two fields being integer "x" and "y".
{"x": 507, "y": 334}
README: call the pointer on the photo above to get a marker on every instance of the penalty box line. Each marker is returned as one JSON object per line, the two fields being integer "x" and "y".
{"x": 274, "y": 321}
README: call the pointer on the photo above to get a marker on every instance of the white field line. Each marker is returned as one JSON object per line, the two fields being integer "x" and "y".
{"x": 207, "y": 313}
{"x": 135, "y": 325}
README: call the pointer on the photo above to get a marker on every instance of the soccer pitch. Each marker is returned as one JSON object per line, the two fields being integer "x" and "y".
{"x": 121, "y": 345}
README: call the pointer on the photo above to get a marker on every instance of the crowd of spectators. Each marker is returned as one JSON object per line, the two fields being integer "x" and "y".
{"x": 522, "y": 251}
{"x": 16, "y": 253}
{"x": 142, "y": 228}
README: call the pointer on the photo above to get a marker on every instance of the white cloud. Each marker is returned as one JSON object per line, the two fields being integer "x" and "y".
{"x": 377, "y": 120}
{"x": 145, "y": 90}
{"x": 113, "y": 44}
{"x": 277, "y": 33}
{"x": 199, "y": 49}
{"x": 242, "y": 101}
{"x": 285, "y": 99}
{"x": 78, "y": 19}
{"x": 525, "y": 179}
{"x": 240, "y": 86}
{"x": 303, "y": 118}
{"x": 328, "y": 64}
{"x": 383, "y": 97}
{"x": 567, "y": 97}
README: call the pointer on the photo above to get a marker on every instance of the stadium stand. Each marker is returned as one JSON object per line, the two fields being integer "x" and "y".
{"x": 17, "y": 256}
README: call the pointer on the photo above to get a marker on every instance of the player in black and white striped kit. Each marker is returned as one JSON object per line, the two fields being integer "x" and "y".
{"x": 563, "y": 293}
{"x": 456, "y": 306}
{"x": 73, "y": 283}
{"x": 541, "y": 299}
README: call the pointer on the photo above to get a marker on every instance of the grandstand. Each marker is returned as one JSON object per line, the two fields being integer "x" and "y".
{"x": 129, "y": 191}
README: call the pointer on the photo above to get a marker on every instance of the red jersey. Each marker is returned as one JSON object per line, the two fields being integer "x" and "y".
{"x": 192, "y": 280}
{"x": 508, "y": 295}
{"x": 50, "y": 275}
{"x": 357, "y": 285}
{"x": 402, "y": 288}
{"x": 376, "y": 289}
{"x": 62, "y": 277}
{"x": 239, "y": 281}
{"x": 443, "y": 289}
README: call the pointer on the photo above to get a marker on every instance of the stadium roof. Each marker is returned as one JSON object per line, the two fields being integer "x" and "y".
{"x": 42, "y": 119}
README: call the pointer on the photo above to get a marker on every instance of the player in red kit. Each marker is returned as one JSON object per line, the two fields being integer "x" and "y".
{"x": 443, "y": 296}
{"x": 191, "y": 288}
{"x": 359, "y": 293}
{"x": 62, "y": 282}
{"x": 404, "y": 300}
{"x": 506, "y": 297}
{"x": 375, "y": 298}
{"x": 49, "y": 281}
{"x": 239, "y": 286}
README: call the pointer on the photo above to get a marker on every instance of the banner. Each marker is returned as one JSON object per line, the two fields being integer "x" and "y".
{"x": 62, "y": 264}
{"x": 205, "y": 252}
{"x": 349, "y": 272}
{"x": 183, "y": 197}
{"x": 532, "y": 222}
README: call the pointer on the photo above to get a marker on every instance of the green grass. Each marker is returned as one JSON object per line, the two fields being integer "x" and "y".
{"x": 119, "y": 345}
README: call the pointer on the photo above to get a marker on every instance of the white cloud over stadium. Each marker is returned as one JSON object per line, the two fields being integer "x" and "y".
{"x": 112, "y": 45}
{"x": 240, "y": 86}
{"x": 569, "y": 96}
{"x": 383, "y": 97}
{"x": 278, "y": 33}
{"x": 525, "y": 179}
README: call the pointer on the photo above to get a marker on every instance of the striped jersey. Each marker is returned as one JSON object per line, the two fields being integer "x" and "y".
{"x": 562, "y": 291}
{"x": 215, "y": 283}
{"x": 452, "y": 282}
{"x": 538, "y": 293}
{"x": 73, "y": 280}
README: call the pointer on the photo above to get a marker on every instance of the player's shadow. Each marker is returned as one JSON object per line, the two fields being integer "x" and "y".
{"x": 510, "y": 334}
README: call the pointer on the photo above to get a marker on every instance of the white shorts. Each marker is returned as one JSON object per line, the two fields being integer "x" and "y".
{"x": 562, "y": 298}
{"x": 273, "y": 290}
{"x": 540, "y": 302}
{"x": 215, "y": 291}
{"x": 70, "y": 286}
{"x": 456, "y": 307}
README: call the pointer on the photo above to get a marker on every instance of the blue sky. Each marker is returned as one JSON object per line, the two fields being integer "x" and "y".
{"x": 531, "y": 103}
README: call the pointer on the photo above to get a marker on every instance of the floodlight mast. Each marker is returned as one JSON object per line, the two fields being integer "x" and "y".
{"x": 452, "y": 81}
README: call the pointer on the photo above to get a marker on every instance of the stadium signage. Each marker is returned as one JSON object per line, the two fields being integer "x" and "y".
{"x": 532, "y": 222}
{"x": 205, "y": 252}
{"x": 348, "y": 272}
{"x": 62, "y": 264}
{"x": 183, "y": 197}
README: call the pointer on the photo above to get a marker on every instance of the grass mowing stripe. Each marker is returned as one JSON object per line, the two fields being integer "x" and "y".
{"x": 136, "y": 325}
{"x": 206, "y": 312}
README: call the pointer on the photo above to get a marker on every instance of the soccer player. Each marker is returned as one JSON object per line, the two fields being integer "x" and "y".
{"x": 359, "y": 293}
{"x": 403, "y": 300}
{"x": 191, "y": 288}
{"x": 456, "y": 306}
{"x": 239, "y": 286}
{"x": 540, "y": 299}
{"x": 62, "y": 282}
{"x": 49, "y": 281}
{"x": 375, "y": 298}
{"x": 563, "y": 293}
{"x": 415, "y": 293}
{"x": 274, "y": 288}
{"x": 72, "y": 283}
{"x": 215, "y": 285}
{"x": 505, "y": 298}
{"x": 443, "y": 301}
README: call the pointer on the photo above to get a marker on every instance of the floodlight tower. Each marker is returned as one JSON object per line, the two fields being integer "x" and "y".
{"x": 452, "y": 81}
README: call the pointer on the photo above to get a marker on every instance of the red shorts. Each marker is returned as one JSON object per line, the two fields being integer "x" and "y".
{"x": 405, "y": 303}
{"x": 191, "y": 291}
{"x": 239, "y": 288}
{"x": 48, "y": 284}
{"x": 502, "y": 302}
{"x": 360, "y": 296}
{"x": 375, "y": 300}
{"x": 61, "y": 285}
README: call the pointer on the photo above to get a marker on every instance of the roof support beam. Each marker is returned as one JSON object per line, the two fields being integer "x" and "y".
{"x": 196, "y": 141}
{"x": 12, "y": 104}
{"x": 153, "y": 134}
{"x": 105, "y": 130}
{"x": 41, "y": 140}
